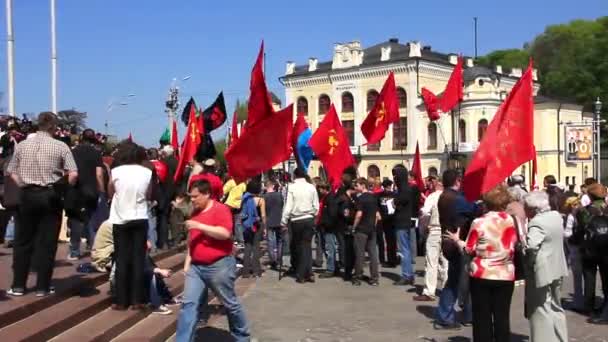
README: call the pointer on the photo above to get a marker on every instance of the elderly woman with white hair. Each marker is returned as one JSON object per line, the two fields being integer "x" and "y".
{"x": 546, "y": 269}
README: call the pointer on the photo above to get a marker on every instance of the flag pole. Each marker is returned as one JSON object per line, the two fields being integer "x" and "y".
{"x": 10, "y": 57}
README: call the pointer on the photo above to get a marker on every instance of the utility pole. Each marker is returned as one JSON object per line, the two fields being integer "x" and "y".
{"x": 53, "y": 60}
{"x": 475, "y": 29}
{"x": 597, "y": 127}
{"x": 10, "y": 57}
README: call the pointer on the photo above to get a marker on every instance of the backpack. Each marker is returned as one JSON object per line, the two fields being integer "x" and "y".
{"x": 249, "y": 213}
{"x": 595, "y": 240}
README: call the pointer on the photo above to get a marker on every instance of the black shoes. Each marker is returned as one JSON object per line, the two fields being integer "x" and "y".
{"x": 404, "y": 282}
{"x": 356, "y": 282}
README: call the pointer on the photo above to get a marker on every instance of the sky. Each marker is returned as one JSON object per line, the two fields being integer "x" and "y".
{"x": 108, "y": 49}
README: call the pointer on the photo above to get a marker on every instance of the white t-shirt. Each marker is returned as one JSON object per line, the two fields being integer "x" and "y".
{"x": 130, "y": 187}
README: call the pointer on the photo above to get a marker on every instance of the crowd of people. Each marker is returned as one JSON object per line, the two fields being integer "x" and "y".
{"x": 129, "y": 202}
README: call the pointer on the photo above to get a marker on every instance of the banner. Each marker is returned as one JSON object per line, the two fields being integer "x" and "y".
{"x": 579, "y": 143}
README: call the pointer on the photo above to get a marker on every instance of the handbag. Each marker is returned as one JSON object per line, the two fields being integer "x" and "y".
{"x": 519, "y": 253}
{"x": 11, "y": 196}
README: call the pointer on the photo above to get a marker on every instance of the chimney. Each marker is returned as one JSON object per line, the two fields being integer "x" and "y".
{"x": 498, "y": 69}
{"x": 453, "y": 59}
{"x": 534, "y": 74}
{"x": 394, "y": 40}
{"x": 515, "y": 72}
{"x": 385, "y": 53}
{"x": 426, "y": 48}
{"x": 290, "y": 68}
{"x": 312, "y": 64}
{"x": 469, "y": 62}
{"x": 415, "y": 49}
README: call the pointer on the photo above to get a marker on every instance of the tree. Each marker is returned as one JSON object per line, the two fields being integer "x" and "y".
{"x": 220, "y": 149}
{"x": 241, "y": 110}
{"x": 73, "y": 119}
{"x": 570, "y": 58}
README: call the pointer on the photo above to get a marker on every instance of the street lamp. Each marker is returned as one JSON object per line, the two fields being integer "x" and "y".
{"x": 113, "y": 102}
{"x": 598, "y": 124}
{"x": 172, "y": 102}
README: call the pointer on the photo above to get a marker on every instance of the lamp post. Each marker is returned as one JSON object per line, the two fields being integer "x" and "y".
{"x": 598, "y": 124}
{"x": 53, "y": 59}
{"x": 172, "y": 102}
{"x": 10, "y": 57}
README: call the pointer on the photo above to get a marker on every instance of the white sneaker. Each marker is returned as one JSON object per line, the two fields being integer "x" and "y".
{"x": 162, "y": 310}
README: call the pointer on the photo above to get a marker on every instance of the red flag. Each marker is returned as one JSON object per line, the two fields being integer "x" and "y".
{"x": 534, "y": 172}
{"x": 330, "y": 144}
{"x": 417, "y": 170}
{"x": 262, "y": 146}
{"x": 130, "y": 138}
{"x": 260, "y": 105}
{"x": 431, "y": 102}
{"x": 453, "y": 93}
{"x": 384, "y": 113}
{"x": 508, "y": 142}
{"x": 191, "y": 142}
{"x": 234, "y": 134}
{"x": 174, "y": 138}
{"x": 200, "y": 121}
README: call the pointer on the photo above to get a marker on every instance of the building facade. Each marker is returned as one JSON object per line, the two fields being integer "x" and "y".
{"x": 354, "y": 77}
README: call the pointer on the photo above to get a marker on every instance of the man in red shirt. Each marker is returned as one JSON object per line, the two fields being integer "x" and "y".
{"x": 210, "y": 265}
{"x": 208, "y": 173}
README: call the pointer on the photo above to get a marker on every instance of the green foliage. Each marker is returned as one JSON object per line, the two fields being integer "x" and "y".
{"x": 73, "y": 119}
{"x": 220, "y": 148}
{"x": 571, "y": 58}
{"x": 241, "y": 110}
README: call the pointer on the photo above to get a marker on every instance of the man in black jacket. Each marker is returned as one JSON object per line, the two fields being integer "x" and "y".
{"x": 386, "y": 229}
{"x": 402, "y": 221}
{"x": 328, "y": 224}
{"x": 454, "y": 213}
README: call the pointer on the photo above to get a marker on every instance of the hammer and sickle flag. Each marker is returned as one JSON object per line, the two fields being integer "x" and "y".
{"x": 384, "y": 112}
{"x": 330, "y": 145}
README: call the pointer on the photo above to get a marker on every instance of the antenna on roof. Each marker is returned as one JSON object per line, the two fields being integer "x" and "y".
{"x": 475, "y": 30}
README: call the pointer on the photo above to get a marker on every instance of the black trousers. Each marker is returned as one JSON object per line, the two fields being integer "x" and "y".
{"x": 162, "y": 227}
{"x": 130, "y": 257}
{"x": 491, "y": 301}
{"x": 391, "y": 242}
{"x": 39, "y": 217}
{"x": 252, "y": 253}
{"x": 302, "y": 234}
{"x": 363, "y": 242}
{"x": 319, "y": 247}
{"x": 348, "y": 251}
{"x": 590, "y": 266}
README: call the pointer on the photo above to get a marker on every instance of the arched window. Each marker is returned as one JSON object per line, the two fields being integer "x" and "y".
{"x": 432, "y": 132}
{"x": 462, "y": 131}
{"x": 349, "y": 130}
{"x": 302, "y": 105}
{"x": 324, "y": 102}
{"x": 433, "y": 171}
{"x": 372, "y": 96}
{"x": 400, "y": 134}
{"x": 482, "y": 127}
{"x": 348, "y": 102}
{"x": 402, "y": 97}
{"x": 373, "y": 172}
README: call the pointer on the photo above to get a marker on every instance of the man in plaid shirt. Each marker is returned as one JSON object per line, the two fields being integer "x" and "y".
{"x": 38, "y": 165}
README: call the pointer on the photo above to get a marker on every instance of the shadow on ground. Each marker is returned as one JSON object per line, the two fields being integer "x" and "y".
{"x": 213, "y": 334}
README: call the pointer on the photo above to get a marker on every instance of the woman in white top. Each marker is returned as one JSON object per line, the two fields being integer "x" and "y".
{"x": 129, "y": 189}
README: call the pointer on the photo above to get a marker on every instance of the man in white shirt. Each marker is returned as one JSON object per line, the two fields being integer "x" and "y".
{"x": 301, "y": 207}
{"x": 435, "y": 261}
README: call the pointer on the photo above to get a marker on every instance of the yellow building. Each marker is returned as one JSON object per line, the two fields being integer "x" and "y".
{"x": 355, "y": 76}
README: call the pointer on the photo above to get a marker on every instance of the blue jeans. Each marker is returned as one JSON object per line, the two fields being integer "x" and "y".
{"x": 404, "y": 246}
{"x": 152, "y": 230}
{"x": 220, "y": 278}
{"x": 445, "y": 313}
{"x": 331, "y": 250}
{"x": 10, "y": 230}
{"x": 275, "y": 243}
{"x": 76, "y": 232}
{"x": 99, "y": 216}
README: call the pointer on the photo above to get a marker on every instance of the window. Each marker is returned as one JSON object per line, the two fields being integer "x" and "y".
{"x": 400, "y": 134}
{"x": 432, "y": 132}
{"x": 567, "y": 180}
{"x": 462, "y": 131}
{"x": 349, "y": 129}
{"x": 323, "y": 104}
{"x": 433, "y": 171}
{"x": 402, "y": 97}
{"x": 373, "y": 172}
{"x": 482, "y": 127}
{"x": 348, "y": 105}
{"x": 372, "y": 96}
{"x": 302, "y": 106}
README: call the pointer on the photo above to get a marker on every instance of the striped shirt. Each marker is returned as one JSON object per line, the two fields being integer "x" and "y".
{"x": 41, "y": 160}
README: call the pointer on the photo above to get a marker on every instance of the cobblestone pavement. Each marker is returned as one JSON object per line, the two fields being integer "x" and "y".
{"x": 332, "y": 310}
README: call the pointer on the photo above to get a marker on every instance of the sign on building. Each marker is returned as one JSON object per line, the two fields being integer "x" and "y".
{"x": 579, "y": 143}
